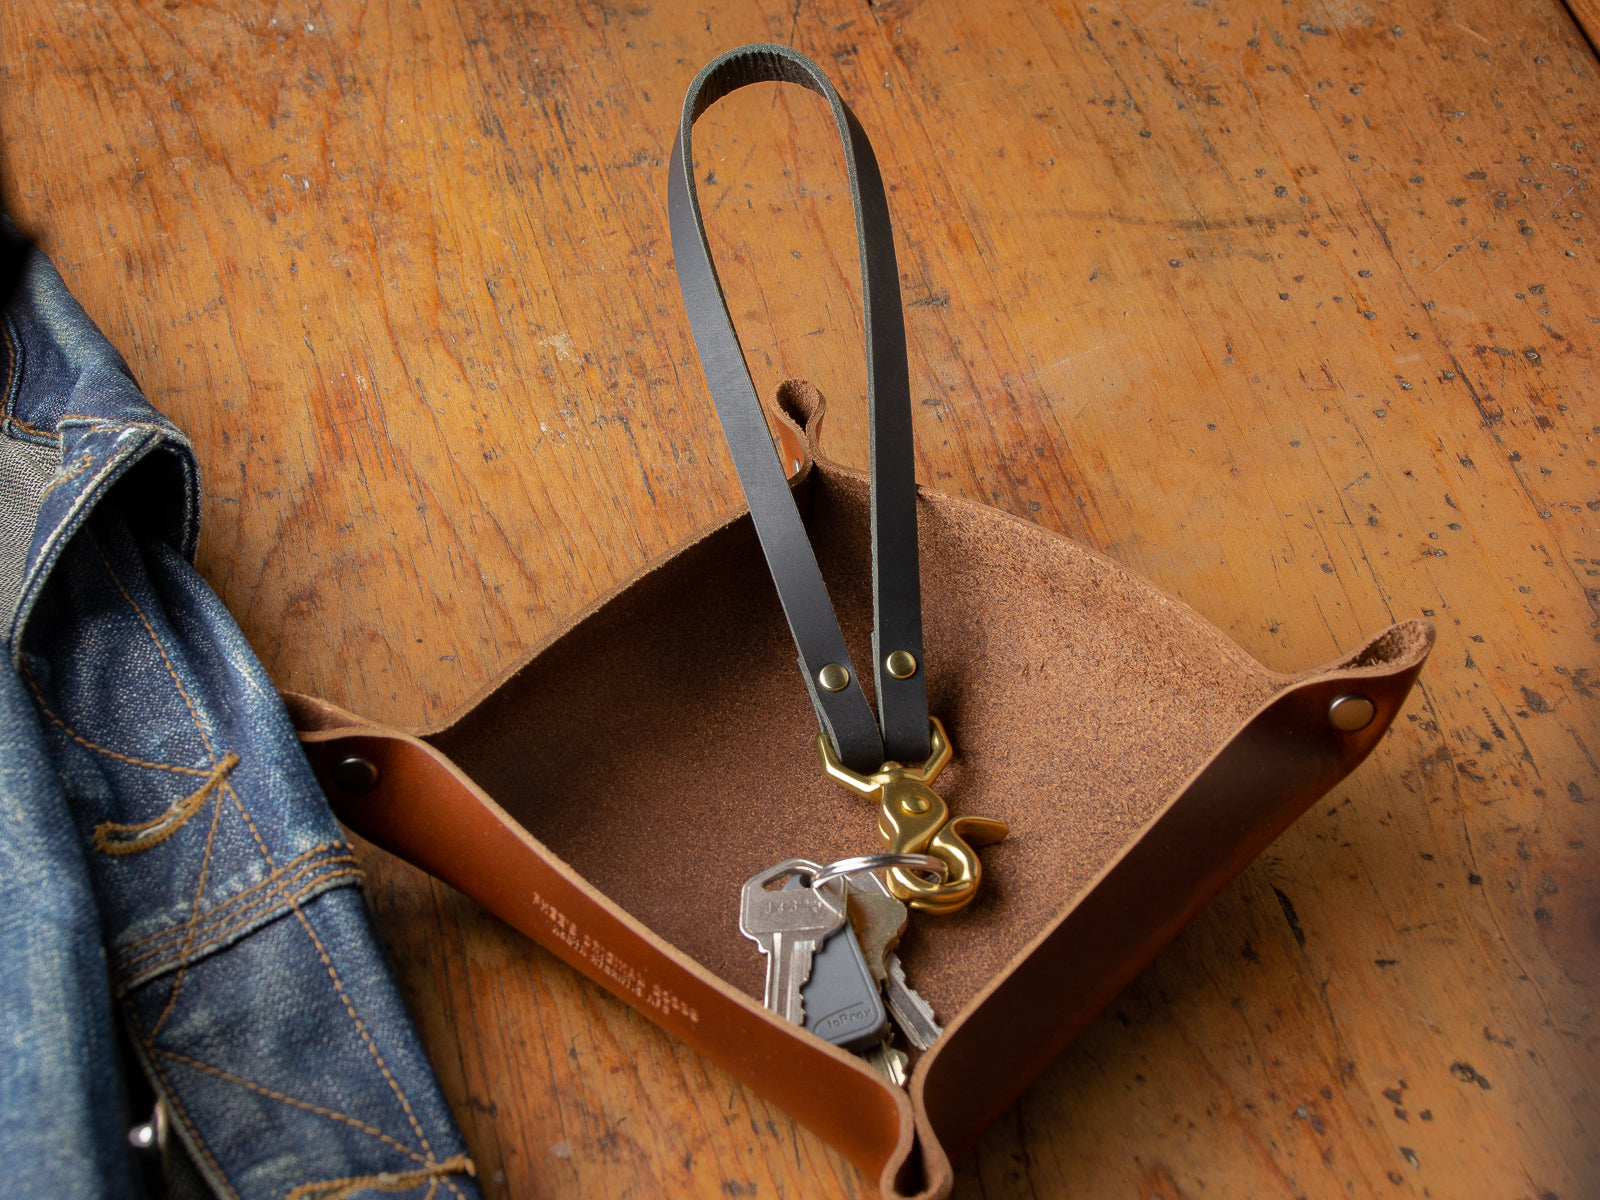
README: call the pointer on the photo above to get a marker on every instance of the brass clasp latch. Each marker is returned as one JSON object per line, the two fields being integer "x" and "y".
{"x": 914, "y": 820}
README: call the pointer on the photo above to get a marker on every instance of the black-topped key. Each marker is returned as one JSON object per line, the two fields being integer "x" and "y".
{"x": 842, "y": 1002}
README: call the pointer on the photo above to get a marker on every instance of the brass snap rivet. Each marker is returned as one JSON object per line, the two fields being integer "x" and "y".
{"x": 833, "y": 678}
{"x": 1349, "y": 714}
{"x": 355, "y": 775}
{"x": 915, "y": 804}
{"x": 902, "y": 664}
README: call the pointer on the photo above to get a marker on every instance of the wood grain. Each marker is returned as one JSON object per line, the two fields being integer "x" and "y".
{"x": 1291, "y": 308}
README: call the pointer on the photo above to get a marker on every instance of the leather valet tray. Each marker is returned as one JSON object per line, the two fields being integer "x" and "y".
{"x": 610, "y": 793}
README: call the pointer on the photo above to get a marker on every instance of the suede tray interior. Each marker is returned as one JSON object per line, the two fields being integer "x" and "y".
{"x": 664, "y": 746}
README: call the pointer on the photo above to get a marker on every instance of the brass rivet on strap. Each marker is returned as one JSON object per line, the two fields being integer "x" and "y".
{"x": 833, "y": 678}
{"x": 1348, "y": 714}
{"x": 355, "y": 775}
{"x": 902, "y": 664}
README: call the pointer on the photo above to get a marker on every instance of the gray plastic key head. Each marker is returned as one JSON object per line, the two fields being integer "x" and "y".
{"x": 842, "y": 1002}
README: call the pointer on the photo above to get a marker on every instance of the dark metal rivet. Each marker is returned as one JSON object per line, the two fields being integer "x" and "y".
{"x": 1350, "y": 714}
{"x": 355, "y": 775}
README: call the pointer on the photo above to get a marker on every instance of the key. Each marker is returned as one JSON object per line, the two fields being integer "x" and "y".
{"x": 879, "y": 920}
{"x": 888, "y": 1062}
{"x": 788, "y": 926}
{"x": 912, "y": 1013}
{"x": 842, "y": 1002}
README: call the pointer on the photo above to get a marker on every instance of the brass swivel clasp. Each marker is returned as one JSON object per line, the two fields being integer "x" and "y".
{"x": 913, "y": 819}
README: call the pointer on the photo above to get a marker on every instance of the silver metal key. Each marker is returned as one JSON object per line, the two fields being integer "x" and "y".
{"x": 911, "y": 1012}
{"x": 879, "y": 927}
{"x": 892, "y": 1064}
{"x": 878, "y": 919}
{"x": 788, "y": 926}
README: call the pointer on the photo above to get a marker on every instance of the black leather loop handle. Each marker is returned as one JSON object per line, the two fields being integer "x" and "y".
{"x": 896, "y": 584}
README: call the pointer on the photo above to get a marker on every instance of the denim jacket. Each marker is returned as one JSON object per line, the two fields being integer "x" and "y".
{"x": 171, "y": 878}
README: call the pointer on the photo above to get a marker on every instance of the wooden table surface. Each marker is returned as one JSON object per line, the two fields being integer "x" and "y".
{"x": 1290, "y": 307}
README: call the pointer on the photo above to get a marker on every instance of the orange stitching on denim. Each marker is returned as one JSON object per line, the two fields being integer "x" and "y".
{"x": 82, "y": 465}
{"x": 222, "y": 785}
{"x": 434, "y": 1170}
{"x": 157, "y": 830}
{"x": 36, "y": 430}
{"x": 297, "y": 863}
{"x": 160, "y": 648}
{"x": 454, "y": 1190}
{"x": 372, "y": 1047}
{"x": 38, "y": 698}
{"x": 250, "y": 825}
{"x": 228, "y": 924}
{"x": 98, "y": 424}
{"x": 218, "y": 937}
{"x": 338, "y": 1189}
{"x": 101, "y": 423}
{"x": 288, "y": 866}
{"x": 291, "y": 1101}
{"x": 194, "y": 914}
{"x": 171, "y": 1096}
{"x": 333, "y": 974}
{"x": 349, "y": 1007}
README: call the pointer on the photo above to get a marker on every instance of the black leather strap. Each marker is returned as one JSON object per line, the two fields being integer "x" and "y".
{"x": 896, "y": 585}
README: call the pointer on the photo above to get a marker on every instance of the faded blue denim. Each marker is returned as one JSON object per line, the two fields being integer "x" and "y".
{"x": 167, "y": 861}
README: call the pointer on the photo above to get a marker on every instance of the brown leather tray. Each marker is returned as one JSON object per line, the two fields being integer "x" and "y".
{"x": 609, "y": 794}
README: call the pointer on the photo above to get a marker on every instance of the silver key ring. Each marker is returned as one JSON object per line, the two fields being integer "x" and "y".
{"x": 863, "y": 863}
